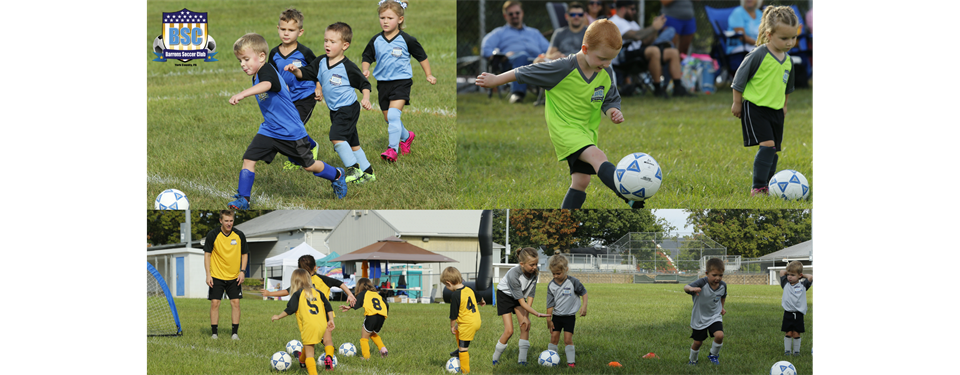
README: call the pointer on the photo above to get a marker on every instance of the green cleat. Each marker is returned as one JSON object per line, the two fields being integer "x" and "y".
{"x": 366, "y": 177}
{"x": 290, "y": 166}
{"x": 353, "y": 174}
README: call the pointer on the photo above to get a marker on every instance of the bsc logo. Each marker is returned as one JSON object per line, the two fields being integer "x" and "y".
{"x": 184, "y": 38}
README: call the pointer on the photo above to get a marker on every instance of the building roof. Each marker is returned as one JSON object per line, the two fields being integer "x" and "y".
{"x": 800, "y": 250}
{"x": 287, "y": 220}
{"x": 438, "y": 223}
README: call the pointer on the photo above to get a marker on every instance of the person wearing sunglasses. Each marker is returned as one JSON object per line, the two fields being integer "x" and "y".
{"x": 568, "y": 40}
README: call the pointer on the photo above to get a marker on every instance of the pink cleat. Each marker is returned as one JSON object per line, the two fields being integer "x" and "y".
{"x": 389, "y": 155}
{"x": 405, "y": 145}
{"x": 383, "y": 352}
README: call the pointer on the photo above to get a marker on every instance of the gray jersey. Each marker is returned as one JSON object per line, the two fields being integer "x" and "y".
{"x": 795, "y": 295}
{"x": 517, "y": 285}
{"x": 706, "y": 305}
{"x": 548, "y": 75}
{"x": 568, "y": 42}
{"x": 565, "y": 297}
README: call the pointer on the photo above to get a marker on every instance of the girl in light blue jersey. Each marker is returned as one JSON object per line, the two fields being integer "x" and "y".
{"x": 391, "y": 50}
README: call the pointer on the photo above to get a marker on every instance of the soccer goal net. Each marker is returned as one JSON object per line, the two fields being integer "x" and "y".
{"x": 162, "y": 318}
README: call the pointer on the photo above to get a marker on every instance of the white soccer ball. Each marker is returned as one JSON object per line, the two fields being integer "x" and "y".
{"x": 294, "y": 346}
{"x": 789, "y": 184}
{"x": 320, "y": 361}
{"x": 453, "y": 365}
{"x": 171, "y": 199}
{"x": 158, "y": 46}
{"x": 549, "y": 358}
{"x": 281, "y": 361}
{"x": 783, "y": 368}
{"x": 638, "y": 176}
{"x": 347, "y": 350}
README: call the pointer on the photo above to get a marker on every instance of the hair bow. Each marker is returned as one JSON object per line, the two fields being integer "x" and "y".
{"x": 402, "y": 4}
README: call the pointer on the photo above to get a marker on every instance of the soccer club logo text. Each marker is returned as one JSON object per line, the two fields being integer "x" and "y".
{"x": 597, "y": 94}
{"x": 184, "y": 37}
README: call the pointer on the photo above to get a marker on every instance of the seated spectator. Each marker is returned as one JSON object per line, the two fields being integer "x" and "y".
{"x": 638, "y": 51}
{"x": 519, "y": 43}
{"x": 568, "y": 40}
{"x": 745, "y": 20}
{"x": 597, "y": 10}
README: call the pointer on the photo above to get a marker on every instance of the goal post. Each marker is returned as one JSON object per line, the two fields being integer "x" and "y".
{"x": 162, "y": 317}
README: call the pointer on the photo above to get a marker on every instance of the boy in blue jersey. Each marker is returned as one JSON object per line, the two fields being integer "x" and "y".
{"x": 304, "y": 93}
{"x": 281, "y": 131}
{"x": 337, "y": 77}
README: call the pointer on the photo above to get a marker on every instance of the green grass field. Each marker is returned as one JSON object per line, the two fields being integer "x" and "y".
{"x": 506, "y": 159}
{"x": 196, "y": 139}
{"x": 624, "y": 322}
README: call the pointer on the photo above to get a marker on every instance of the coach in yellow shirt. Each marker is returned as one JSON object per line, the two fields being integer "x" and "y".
{"x": 225, "y": 258}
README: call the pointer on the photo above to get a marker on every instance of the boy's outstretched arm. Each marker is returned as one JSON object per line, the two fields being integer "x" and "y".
{"x": 490, "y": 80}
{"x": 295, "y": 70}
{"x": 257, "y": 89}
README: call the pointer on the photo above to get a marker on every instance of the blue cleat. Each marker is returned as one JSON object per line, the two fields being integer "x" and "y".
{"x": 240, "y": 204}
{"x": 715, "y": 359}
{"x": 340, "y": 184}
{"x": 522, "y": 363}
{"x": 692, "y": 363}
{"x": 495, "y": 362}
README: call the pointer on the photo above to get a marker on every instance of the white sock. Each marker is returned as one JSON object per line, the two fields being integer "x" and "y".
{"x": 498, "y": 351}
{"x": 796, "y": 345}
{"x": 787, "y": 340}
{"x": 553, "y": 347}
{"x": 524, "y": 347}
{"x": 715, "y": 349}
{"x": 571, "y": 354}
{"x": 694, "y": 354}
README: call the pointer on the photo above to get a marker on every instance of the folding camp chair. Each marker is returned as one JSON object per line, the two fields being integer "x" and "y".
{"x": 721, "y": 39}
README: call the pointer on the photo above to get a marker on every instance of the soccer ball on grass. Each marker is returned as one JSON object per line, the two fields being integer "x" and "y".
{"x": 548, "y": 358}
{"x": 783, "y": 368}
{"x": 638, "y": 176}
{"x": 347, "y": 349}
{"x": 294, "y": 346}
{"x": 789, "y": 184}
{"x": 281, "y": 361}
{"x": 453, "y": 365}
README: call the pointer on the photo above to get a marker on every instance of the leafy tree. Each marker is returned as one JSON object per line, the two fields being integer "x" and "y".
{"x": 163, "y": 226}
{"x": 604, "y": 227}
{"x": 553, "y": 230}
{"x": 499, "y": 226}
{"x": 753, "y": 233}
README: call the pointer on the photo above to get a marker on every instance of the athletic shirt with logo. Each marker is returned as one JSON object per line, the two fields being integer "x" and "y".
{"x": 574, "y": 104}
{"x": 393, "y": 56}
{"x": 518, "y": 285}
{"x": 706, "y": 304}
{"x": 280, "y": 117}
{"x": 225, "y": 252}
{"x": 300, "y": 57}
{"x": 764, "y": 80}
{"x": 565, "y": 297}
{"x": 795, "y": 296}
{"x": 338, "y": 81}
{"x": 372, "y": 304}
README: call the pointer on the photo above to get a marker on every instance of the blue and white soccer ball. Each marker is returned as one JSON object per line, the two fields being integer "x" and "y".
{"x": 549, "y": 358}
{"x": 347, "y": 350}
{"x": 322, "y": 359}
{"x": 789, "y": 184}
{"x": 783, "y": 368}
{"x": 171, "y": 199}
{"x": 294, "y": 346}
{"x": 638, "y": 176}
{"x": 281, "y": 361}
{"x": 453, "y": 365}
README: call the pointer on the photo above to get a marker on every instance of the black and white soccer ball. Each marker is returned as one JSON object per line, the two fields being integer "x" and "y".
{"x": 211, "y": 44}
{"x": 158, "y": 46}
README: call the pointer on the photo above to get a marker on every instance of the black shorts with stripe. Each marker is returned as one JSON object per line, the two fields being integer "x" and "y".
{"x": 343, "y": 124}
{"x": 265, "y": 148}
{"x": 792, "y": 321}
{"x": 760, "y": 124}
{"x": 373, "y": 323}
{"x": 388, "y": 91}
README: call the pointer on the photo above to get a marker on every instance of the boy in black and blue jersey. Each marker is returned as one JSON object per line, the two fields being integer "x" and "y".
{"x": 281, "y": 131}
{"x": 304, "y": 93}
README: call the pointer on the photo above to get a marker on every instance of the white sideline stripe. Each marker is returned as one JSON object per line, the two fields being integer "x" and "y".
{"x": 222, "y": 94}
{"x": 260, "y": 199}
{"x": 431, "y": 111}
{"x": 189, "y": 72}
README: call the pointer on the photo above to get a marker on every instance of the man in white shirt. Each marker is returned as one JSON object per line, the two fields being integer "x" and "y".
{"x": 635, "y": 56}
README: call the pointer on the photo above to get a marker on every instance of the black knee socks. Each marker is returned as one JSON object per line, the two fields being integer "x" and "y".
{"x": 762, "y": 165}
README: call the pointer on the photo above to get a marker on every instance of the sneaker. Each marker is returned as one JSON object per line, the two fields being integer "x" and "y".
{"x": 340, "y": 184}
{"x": 214, "y": 336}
{"x": 297, "y": 356}
{"x": 389, "y": 155}
{"x": 235, "y": 337}
{"x": 495, "y": 362}
{"x": 659, "y": 92}
{"x": 787, "y": 353}
{"x": 405, "y": 145}
{"x": 328, "y": 362}
{"x": 796, "y": 354}
{"x": 759, "y": 191}
{"x": 240, "y": 204}
{"x": 516, "y": 97}
{"x": 366, "y": 177}
{"x": 383, "y": 352}
{"x": 315, "y": 151}
{"x": 290, "y": 166}
{"x": 353, "y": 174}
{"x": 635, "y": 204}
{"x": 571, "y": 365}
{"x": 692, "y": 363}
{"x": 522, "y": 363}
{"x": 715, "y": 359}
{"x": 679, "y": 90}
{"x": 455, "y": 353}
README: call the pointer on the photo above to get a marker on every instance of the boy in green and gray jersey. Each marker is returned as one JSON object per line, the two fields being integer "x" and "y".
{"x": 579, "y": 90}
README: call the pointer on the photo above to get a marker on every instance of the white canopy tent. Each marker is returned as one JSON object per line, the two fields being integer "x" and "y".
{"x": 288, "y": 261}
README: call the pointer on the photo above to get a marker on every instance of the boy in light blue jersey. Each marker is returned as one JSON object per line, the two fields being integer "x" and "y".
{"x": 281, "y": 130}
{"x": 338, "y": 77}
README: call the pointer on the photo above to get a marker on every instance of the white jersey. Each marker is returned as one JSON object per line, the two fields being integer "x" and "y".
{"x": 707, "y": 304}
{"x": 795, "y": 295}
{"x": 518, "y": 285}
